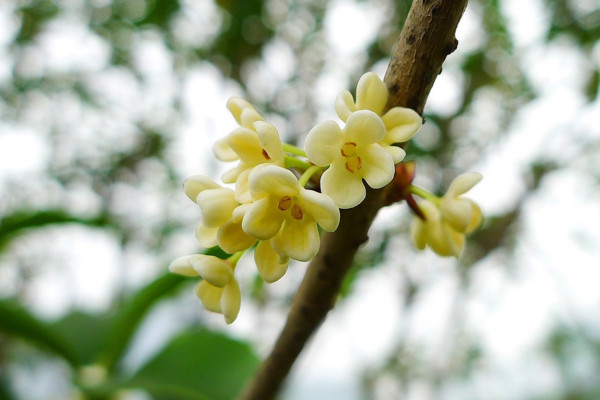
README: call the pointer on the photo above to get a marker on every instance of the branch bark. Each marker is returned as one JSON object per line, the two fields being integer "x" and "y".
{"x": 426, "y": 39}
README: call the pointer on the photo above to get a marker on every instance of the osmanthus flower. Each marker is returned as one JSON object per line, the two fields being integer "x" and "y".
{"x": 352, "y": 154}
{"x": 401, "y": 123}
{"x": 254, "y": 142}
{"x": 287, "y": 213}
{"x": 218, "y": 290}
{"x": 222, "y": 214}
{"x": 448, "y": 220}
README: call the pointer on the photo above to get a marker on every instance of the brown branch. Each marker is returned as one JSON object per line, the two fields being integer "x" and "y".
{"x": 426, "y": 40}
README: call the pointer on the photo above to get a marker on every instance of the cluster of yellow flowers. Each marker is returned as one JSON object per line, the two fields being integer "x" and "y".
{"x": 275, "y": 209}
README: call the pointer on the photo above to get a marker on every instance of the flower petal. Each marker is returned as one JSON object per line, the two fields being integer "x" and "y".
{"x": 320, "y": 207}
{"x": 193, "y": 185}
{"x": 378, "y": 166}
{"x": 206, "y": 236}
{"x": 262, "y": 219}
{"x": 364, "y": 127}
{"x": 246, "y": 145}
{"x": 209, "y": 295}
{"x": 270, "y": 141}
{"x": 231, "y": 300}
{"x": 323, "y": 143}
{"x": 300, "y": 239}
{"x": 236, "y": 105}
{"x": 345, "y": 189}
{"x": 476, "y": 218}
{"x": 216, "y": 205}
{"x": 249, "y": 117}
{"x": 344, "y": 105}
{"x": 242, "y": 186}
{"x": 215, "y": 271}
{"x": 396, "y": 152}
{"x": 463, "y": 183}
{"x": 223, "y": 151}
{"x": 371, "y": 93}
{"x": 273, "y": 180}
{"x": 232, "y": 238}
{"x": 181, "y": 266}
{"x": 457, "y": 212}
{"x": 418, "y": 233}
{"x": 401, "y": 124}
{"x": 268, "y": 262}
{"x": 231, "y": 175}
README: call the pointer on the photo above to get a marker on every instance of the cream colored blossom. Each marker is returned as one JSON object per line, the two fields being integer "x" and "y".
{"x": 446, "y": 225}
{"x": 254, "y": 142}
{"x": 218, "y": 290}
{"x": 401, "y": 123}
{"x": 222, "y": 214}
{"x": 352, "y": 154}
{"x": 288, "y": 213}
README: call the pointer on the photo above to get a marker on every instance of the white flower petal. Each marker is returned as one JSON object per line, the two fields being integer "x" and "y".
{"x": 242, "y": 186}
{"x": 231, "y": 300}
{"x": 396, "y": 152}
{"x": 231, "y": 175}
{"x": 457, "y": 213}
{"x": 323, "y": 143}
{"x": 193, "y": 185}
{"x": 216, "y": 205}
{"x": 418, "y": 233}
{"x": 209, "y": 295}
{"x": 364, "y": 127}
{"x": 377, "y": 166}
{"x": 231, "y": 237}
{"x": 215, "y": 271}
{"x": 345, "y": 189}
{"x": 223, "y": 151}
{"x": 300, "y": 239}
{"x": 476, "y": 218}
{"x": 262, "y": 220}
{"x": 371, "y": 93}
{"x": 344, "y": 105}
{"x": 401, "y": 124}
{"x": 249, "y": 117}
{"x": 273, "y": 180}
{"x": 181, "y": 266}
{"x": 268, "y": 262}
{"x": 463, "y": 183}
{"x": 270, "y": 141}
{"x": 320, "y": 207}
{"x": 206, "y": 236}
{"x": 236, "y": 105}
{"x": 246, "y": 145}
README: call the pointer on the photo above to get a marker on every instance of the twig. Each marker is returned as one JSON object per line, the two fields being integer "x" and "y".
{"x": 426, "y": 39}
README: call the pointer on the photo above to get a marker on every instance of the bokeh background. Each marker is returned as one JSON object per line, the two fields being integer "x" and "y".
{"x": 106, "y": 106}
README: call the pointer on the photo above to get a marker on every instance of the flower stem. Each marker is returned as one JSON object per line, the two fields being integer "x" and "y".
{"x": 233, "y": 260}
{"x": 296, "y": 162}
{"x": 308, "y": 173}
{"x": 424, "y": 194}
{"x": 290, "y": 148}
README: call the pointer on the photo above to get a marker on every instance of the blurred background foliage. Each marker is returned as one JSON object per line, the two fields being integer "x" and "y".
{"x": 106, "y": 106}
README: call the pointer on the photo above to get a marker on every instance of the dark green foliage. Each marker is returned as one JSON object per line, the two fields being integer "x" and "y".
{"x": 201, "y": 362}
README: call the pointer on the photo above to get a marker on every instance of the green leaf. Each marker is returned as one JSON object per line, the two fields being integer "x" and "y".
{"x": 86, "y": 334}
{"x": 16, "y": 320}
{"x": 208, "y": 363}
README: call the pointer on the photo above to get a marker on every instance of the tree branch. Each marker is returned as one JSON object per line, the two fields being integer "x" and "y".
{"x": 426, "y": 39}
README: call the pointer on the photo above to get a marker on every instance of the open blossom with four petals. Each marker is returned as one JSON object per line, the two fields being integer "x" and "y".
{"x": 353, "y": 154}
{"x": 401, "y": 123}
{"x": 254, "y": 142}
{"x": 446, "y": 225}
{"x": 218, "y": 290}
{"x": 287, "y": 213}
